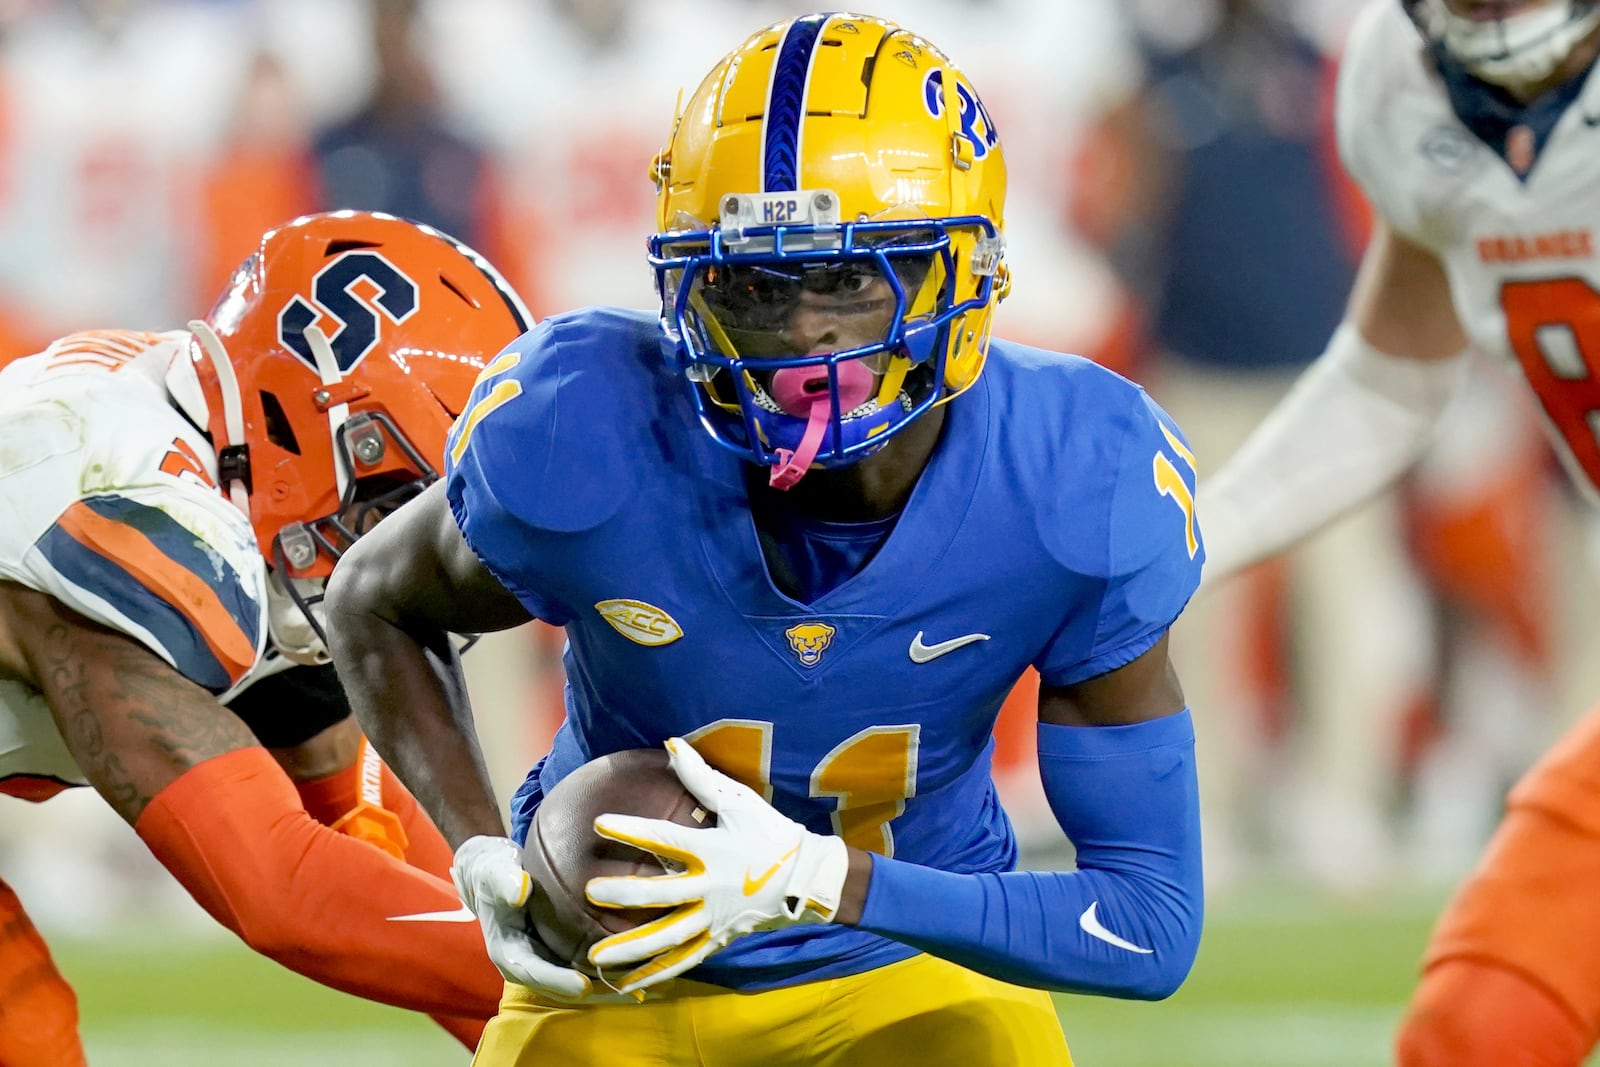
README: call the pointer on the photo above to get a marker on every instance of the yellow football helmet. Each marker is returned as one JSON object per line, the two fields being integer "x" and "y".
{"x": 829, "y": 248}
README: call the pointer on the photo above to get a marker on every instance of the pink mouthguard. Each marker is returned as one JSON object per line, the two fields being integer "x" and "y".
{"x": 803, "y": 392}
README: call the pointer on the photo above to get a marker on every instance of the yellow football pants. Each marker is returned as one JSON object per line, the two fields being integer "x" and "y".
{"x": 924, "y": 1012}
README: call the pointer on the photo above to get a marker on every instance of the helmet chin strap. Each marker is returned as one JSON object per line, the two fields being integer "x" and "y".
{"x": 792, "y": 466}
{"x": 232, "y": 409}
{"x": 328, "y": 370}
{"x": 295, "y": 626}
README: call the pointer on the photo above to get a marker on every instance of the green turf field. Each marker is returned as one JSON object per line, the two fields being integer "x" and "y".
{"x": 1283, "y": 980}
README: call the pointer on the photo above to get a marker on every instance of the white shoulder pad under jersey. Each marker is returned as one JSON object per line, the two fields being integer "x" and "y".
{"x": 109, "y": 503}
{"x": 1522, "y": 252}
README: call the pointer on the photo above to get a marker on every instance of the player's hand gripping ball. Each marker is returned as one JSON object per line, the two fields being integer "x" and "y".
{"x": 755, "y": 870}
{"x": 563, "y": 851}
{"x": 488, "y": 875}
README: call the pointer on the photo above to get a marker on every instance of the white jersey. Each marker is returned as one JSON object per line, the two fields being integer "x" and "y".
{"x": 108, "y": 503}
{"x": 1520, "y": 251}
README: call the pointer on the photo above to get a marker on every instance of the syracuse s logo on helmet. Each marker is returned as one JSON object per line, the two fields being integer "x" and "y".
{"x": 809, "y": 640}
{"x": 351, "y": 291}
{"x": 641, "y": 623}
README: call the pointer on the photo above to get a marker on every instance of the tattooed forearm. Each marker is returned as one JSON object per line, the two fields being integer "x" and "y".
{"x": 67, "y": 686}
{"x": 183, "y": 721}
{"x": 132, "y": 722}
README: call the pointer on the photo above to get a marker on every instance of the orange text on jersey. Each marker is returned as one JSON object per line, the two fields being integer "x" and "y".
{"x": 1519, "y": 248}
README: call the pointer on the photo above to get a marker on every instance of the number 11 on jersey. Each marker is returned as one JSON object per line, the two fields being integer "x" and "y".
{"x": 871, "y": 773}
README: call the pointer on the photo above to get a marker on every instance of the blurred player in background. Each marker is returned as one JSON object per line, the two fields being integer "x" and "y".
{"x": 776, "y": 548}
{"x": 1226, "y": 154}
{"x": 173, "y": 503}
{"x": 401, "y": 153}
{"x": 1220, "y": 148}
{"x": 1476, "y": 144}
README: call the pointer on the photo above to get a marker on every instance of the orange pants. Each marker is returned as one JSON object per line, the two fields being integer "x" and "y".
{"x": 38, "y": 1011}
{"x": 1528, "y": 920}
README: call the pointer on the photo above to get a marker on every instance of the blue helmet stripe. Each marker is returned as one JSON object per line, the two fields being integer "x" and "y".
{"x": 786, "y": 104}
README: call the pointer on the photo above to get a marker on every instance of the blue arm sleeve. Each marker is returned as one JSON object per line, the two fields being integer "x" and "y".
{"x": 1126, "y": 923}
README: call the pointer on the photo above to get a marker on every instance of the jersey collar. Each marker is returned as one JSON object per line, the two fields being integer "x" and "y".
{"x": 1492, "y": 114}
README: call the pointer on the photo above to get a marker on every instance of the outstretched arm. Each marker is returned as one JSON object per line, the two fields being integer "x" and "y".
{"x": 132, "y": 722}
{"x": 1358, "y": 418}
{"x": 392, "y": 603}
{"x": 223, "y": 818}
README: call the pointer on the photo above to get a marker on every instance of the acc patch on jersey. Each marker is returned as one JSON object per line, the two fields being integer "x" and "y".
{"x": 639, "y": 622}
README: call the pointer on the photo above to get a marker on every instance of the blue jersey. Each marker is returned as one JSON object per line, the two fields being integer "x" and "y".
{"x": 1053, "y": 527}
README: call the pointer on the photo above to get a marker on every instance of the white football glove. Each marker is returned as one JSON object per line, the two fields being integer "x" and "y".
{"x": 757, "y": 869}
{"x": 488, "y": 874}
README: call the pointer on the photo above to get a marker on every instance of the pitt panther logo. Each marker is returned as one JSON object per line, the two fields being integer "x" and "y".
{"x": 641, "y": 623}
{"x": 809, "y": 640}
{"x": 976, "y": 126}
{"x": 351, "y": 293}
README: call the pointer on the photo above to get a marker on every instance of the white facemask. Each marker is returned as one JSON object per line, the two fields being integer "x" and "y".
{"x": 1517, "y": 51}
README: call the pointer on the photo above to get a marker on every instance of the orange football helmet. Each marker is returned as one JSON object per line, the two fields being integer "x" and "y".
{"x": 332, "y": 367}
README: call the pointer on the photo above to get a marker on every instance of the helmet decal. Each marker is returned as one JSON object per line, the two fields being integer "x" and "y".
{"x": 337, "y": 296}
{"x": 976, "y": 126}
{"x": 316, "y": 450}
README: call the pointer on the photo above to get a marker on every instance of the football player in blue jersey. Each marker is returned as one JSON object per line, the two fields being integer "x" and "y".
{"x": 806, "y": 528}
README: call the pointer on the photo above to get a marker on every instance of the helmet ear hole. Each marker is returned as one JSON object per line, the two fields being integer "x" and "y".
{"x": 279, "y": 430}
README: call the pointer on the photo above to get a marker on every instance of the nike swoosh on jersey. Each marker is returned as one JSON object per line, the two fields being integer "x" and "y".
{"x": 460, "y": 915}
{"x": 921, "y": 653}
{"x": 753, "y": 886}
{"x": 1090, "y": 923}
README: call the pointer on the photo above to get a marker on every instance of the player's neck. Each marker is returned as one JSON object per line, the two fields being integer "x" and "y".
{"x": 874, "y": 488}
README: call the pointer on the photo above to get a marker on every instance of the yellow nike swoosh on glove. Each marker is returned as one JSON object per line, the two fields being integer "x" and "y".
{"x": 752, "y": 886}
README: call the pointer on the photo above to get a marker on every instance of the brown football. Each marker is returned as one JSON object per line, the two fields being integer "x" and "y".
{"x": 563, "y": 852}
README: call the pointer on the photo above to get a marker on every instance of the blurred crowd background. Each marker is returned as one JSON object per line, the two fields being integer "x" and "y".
{"x": 1176, "y": 211}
